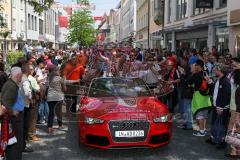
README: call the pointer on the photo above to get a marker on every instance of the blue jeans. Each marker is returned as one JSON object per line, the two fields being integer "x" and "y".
{"x": 43, "y": 111}
{"x": 180, "y": 100}
{"x": 188, "y": 116}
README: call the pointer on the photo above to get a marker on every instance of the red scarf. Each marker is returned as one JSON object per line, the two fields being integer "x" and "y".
{"x": 7, "y": 135}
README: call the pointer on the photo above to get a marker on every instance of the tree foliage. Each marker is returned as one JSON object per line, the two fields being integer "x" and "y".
{"x": 81, "y": 27}
{"x": 40, "y": 6}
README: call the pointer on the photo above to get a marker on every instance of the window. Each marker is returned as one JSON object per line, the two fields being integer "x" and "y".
{"x": 223, "y": 3}
{"x": 181, "y": 9}
{"x": 29, "y": 22}
{"x": 14, "y": 24}
{"x": 22, "y": 26}
{"x": 21, "y": 4}
{"x": 5, "y": 20}
{"x": 40, "y": 27}
{"x": 14, "y": 3}
{"x": 32, "y": 25}
{"x": 169, "y": 11}
{"x": 197, "y": 11}
{"x": 35, "y": 23}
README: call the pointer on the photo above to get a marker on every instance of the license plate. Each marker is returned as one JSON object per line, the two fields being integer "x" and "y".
{"x": 129, "y": 134}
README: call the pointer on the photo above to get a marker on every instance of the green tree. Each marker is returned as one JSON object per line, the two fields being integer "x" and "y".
{"x": 81, "y": 27}
{"x": 40, "y": 6}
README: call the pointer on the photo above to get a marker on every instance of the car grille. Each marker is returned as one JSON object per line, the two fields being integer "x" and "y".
{"x": 129, "y": 125}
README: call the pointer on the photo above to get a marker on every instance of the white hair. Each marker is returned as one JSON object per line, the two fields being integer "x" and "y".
{"x": 15, "y": 71}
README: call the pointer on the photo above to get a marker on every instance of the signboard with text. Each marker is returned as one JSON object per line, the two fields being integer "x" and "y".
{"x": 204, "y": 3}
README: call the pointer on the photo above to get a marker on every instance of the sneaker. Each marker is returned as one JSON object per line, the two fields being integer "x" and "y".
{"x": 199, "y": 134}
{"x": 41, "y": 122}
{"x": 182, "y": 126}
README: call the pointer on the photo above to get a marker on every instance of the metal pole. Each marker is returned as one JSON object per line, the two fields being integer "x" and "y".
{"x": 163, "y": 14}
{"x": 149, "y": 24}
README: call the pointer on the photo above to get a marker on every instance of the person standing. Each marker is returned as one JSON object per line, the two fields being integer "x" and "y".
{"x": 13, "y": 101}
{"x": 200, "y": 103}
{"x": 221, "y": 105}
{"x": 26, "y": 91}
{"x": 34, "y": 105}
{"x": 3, "y": 76}
{"x": 55, "y": 97}
{"x": 235, "y": 116}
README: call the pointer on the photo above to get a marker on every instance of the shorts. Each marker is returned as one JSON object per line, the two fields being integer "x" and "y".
{"x": 202, "y": 114}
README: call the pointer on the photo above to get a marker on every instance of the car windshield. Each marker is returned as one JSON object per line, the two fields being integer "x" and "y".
{"x": 119, "y": 87}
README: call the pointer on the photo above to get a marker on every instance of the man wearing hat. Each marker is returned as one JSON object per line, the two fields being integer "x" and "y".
{"x": 221, "y": 105}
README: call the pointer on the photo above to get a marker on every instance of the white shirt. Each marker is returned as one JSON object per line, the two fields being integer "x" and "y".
{"x": 39, "y": 74}
{"x": 215, "y": 93}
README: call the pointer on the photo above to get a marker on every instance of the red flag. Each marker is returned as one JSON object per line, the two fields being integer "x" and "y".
{"x": 98, "y": 18}
{"x": 63, "y": 21}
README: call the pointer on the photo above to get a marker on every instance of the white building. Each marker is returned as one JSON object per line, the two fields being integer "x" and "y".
{"x": 50, "y": 25}
{"x": 186, "y": 26}
{"x": 234, "y": 26}
{"x": 18, "y": 24}
{"x": 34, "y": 28}
{"x": 128, "y": 19}
{"x": 117, "y": 22}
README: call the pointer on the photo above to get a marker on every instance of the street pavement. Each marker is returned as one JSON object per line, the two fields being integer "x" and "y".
{"x": 63, "y": 145}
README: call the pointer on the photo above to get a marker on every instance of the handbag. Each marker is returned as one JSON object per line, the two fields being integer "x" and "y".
{"x": 218, "y": 131}
{"x": 233, "y": 137}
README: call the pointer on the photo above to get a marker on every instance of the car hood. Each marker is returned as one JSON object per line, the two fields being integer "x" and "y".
{"x": 123, "y": 108}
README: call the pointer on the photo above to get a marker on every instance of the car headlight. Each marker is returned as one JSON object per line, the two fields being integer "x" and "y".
{"x": 161, "y": 119}
{"x": 89, "y": 120}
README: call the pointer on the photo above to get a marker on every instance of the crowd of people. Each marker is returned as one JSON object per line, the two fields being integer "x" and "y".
{"x": 195, "y": 86}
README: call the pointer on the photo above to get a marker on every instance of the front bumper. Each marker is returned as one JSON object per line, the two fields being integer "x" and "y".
{"x": 101, "y": 136}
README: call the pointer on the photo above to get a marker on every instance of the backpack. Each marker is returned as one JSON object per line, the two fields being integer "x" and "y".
{"x": 204, "y": 88}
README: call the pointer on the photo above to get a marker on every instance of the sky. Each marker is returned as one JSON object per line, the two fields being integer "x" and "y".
{"x": 102, "y": 6}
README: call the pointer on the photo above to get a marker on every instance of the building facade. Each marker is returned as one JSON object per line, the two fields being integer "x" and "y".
{"x": 117, "y": 23}
{"x": 6, "y": 14}
{"x": 142, "y": 34}
{"x": 25, "y": 26}
{"x": 128, "y": 19}
{"x": 186, "y": 26}
{"x": 34, "y": 26}
{"x": 154, "y": 28}
{"x": 234, "y": 27}
{"x": 50, "y": 27}
{"x": 18, "y": 24}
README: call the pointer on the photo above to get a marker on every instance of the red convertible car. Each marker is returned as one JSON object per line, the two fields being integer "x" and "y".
{"x": 123, "y": 113}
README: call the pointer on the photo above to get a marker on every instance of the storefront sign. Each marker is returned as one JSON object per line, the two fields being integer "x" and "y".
{"x": 222, "y": 31}
{"x": 204, "y": 3}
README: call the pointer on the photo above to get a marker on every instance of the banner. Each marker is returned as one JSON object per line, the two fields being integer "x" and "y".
{"x": 98, "y": 18}
{"x": 204, "y": 3}
{"x": 63, "y": 21}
